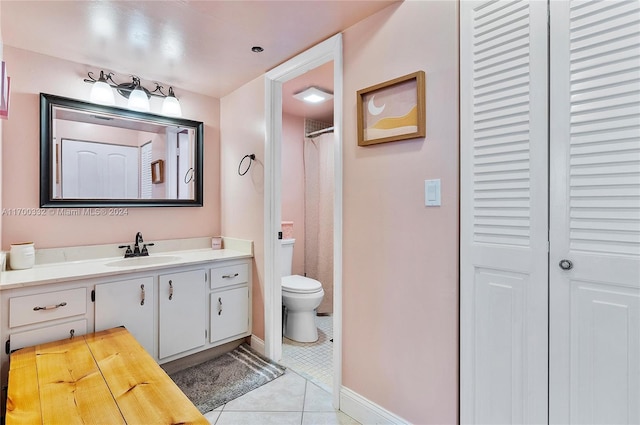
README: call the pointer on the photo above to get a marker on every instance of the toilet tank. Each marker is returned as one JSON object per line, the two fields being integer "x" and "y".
{"x": 286, "y": 256}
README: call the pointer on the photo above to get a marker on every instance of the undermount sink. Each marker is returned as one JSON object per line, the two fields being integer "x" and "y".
{"x": 143, "y": 261}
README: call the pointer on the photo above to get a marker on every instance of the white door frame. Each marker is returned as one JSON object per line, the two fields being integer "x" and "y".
{"x": 328, "y": 50}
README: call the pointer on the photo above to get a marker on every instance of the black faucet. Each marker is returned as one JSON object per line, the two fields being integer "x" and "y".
{"x": 136, "y": 247}
{"x": 137, "y": 251}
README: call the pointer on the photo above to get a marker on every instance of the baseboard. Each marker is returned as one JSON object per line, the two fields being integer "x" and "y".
{"x": 257, "y": 344}
{"x": 200, "y": 357}
{"x": 365, "y": 411}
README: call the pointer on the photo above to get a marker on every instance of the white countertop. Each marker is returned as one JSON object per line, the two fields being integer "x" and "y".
{"x": 67, "y": 271}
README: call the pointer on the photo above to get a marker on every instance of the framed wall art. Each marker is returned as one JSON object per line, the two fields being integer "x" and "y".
{"x": 157, "y": 171}
{"x": 392, "y": 111}
{"x": 5, "y": 90}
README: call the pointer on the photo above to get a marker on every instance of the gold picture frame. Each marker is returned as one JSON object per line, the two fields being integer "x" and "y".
{"x": 157, "y": 171}
{"x": 392, "y": 111}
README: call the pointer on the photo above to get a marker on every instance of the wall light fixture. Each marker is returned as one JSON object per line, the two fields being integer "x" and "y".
{"x": 104, "y": 85}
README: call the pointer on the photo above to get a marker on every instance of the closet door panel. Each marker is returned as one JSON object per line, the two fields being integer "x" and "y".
{"x": 504, "y": 192}
{"x": 595, "y": 213}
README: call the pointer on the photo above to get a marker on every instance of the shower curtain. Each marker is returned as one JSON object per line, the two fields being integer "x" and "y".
{"x": 319, "y": 190}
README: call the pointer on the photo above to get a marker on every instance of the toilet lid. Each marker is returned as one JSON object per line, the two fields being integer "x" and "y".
{"x": 300, "y": 284}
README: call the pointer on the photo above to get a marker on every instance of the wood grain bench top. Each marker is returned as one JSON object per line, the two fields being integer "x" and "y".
{"x": 101, "y": 378}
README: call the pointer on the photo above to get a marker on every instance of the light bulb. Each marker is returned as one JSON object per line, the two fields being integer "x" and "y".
{"x": 101, "y": 92}
{"x": 138, "y": 100}
{"x": 171, "y": 106}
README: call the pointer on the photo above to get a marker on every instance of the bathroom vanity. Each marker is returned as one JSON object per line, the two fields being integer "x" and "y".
{"x": 176, "y": 302}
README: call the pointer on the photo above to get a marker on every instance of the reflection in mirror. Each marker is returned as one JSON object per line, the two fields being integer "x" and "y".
{"x": 95, "y": 155}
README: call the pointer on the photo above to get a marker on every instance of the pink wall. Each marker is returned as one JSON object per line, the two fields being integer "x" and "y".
{"x": 1, "y": 142}
{"x": 400, "y": 279}
{"x": 242, "y": 127}
{"x": 32, "y": 73}
{"x": 293, "y": 184}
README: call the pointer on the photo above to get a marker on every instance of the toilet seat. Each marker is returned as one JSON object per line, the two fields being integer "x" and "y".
{"x": 300, "y": 285}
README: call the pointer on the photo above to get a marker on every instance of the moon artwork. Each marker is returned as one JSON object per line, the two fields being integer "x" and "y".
{"x": 373, "y": 109}
{"x": 391, "y": 111}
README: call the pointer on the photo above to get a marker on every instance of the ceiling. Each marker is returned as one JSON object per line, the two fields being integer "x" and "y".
{"x": 320, "y": 77}
{"x": 200, "y": 46}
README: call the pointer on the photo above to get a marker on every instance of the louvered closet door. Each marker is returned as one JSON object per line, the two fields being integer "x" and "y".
{"x": 504, "y": 210}
{"x": 595, "y": 213}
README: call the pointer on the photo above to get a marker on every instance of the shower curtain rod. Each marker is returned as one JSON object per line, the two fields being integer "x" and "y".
{"x": 319, "y": 132}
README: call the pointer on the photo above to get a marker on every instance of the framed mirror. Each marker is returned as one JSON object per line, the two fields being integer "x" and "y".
{"x": 94, "y": 155}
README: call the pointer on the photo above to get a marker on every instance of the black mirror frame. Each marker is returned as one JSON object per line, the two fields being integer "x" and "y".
{"x": 48, "y": 101}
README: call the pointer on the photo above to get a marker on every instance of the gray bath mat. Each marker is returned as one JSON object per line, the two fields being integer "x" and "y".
{"x": 215, "y": 382}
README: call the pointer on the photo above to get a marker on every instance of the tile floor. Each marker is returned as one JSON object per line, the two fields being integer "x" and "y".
{"x": 313, "y": 360}
{"x": 287, "y": 400}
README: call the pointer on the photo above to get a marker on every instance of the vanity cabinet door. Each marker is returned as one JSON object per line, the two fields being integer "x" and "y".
{"x": 229, "y": 313}
{"x": 127, "y": 303}
{"x": 182, "y": 312}
{"x": 47, "y": 334}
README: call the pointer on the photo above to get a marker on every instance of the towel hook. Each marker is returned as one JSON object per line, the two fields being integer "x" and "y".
{"x": 251, "y": 157}
{"x": 189, "y": 175}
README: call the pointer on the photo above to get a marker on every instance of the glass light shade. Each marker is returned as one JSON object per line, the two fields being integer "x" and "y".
{"x": 171, "y": 107}
{"x": 138, "y": 101}
{"x": 101, "y": 93}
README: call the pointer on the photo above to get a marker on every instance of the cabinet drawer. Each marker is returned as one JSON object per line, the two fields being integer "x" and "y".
{"x": 47, "y": 306}
{"x": 229, "y": 275}
{"x": 47, "y": 334}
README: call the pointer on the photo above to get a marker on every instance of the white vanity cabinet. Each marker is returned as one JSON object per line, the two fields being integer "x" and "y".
{"x": 182, "y": 312}
{"x": 127, "y": 303}
{"x": 230, "y": 301}
{"x": 47, "y": 315}
{"x": 173, "y": 311}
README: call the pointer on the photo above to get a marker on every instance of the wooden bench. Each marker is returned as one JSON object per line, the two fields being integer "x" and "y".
{"x": 101, "y": 378}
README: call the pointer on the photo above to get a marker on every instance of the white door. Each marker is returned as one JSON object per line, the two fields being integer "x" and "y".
{"x": 595, "y": 213}
{"x": 98, "y": 170}
{"x": 127, "y": 303}
{"x": 504, "y": 210}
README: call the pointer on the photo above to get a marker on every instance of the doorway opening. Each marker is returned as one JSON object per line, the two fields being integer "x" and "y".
{"x": 307, "y": 226}
{"x": 323, "y": 53}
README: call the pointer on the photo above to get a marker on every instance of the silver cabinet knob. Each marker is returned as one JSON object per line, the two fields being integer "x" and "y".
{"x": 565, "y": 264}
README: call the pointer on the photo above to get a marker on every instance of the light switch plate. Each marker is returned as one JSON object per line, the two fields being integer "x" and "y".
{"x": 432, "y": 193}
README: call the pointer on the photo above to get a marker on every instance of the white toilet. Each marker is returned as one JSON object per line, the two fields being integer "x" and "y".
{"x": 300, "y": 297}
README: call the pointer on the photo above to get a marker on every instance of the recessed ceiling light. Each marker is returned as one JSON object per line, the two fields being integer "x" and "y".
{"x": 313, "y": 95}
{"x": 257, "y": 49}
